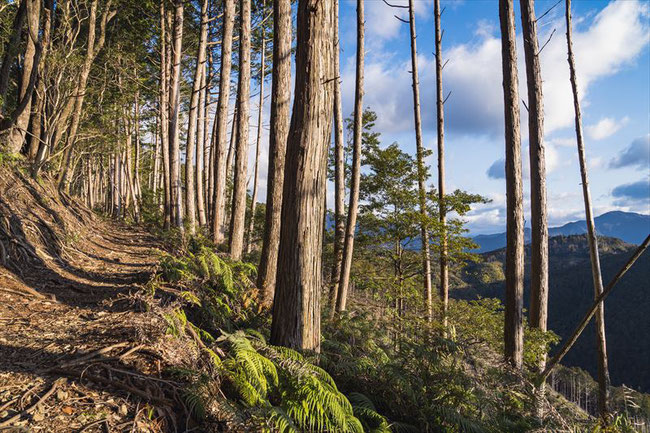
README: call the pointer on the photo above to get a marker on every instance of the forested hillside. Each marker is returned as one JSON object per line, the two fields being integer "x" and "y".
{"x": 166, "y": 261}
{"x": 570, "y": 295}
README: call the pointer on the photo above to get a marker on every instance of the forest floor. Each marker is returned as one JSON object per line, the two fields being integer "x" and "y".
{"x": 80, "y": 348}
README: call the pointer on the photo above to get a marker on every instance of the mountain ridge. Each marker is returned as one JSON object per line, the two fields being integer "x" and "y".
{"x": 630, "y": 227}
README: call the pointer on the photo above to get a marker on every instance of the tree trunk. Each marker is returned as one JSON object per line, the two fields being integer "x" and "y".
{"x": 440, "y": 111}
{"x": 18, "y": 132}
{"x": 296, "y": 308}
{"x": 280, "y": 98}
{"x": 39, "y": 102}
{"x": 603, "y": 371}
{"x": 190, "y": 184}
{"x": 513, "y": 330}
{"x": 94, "y": 45}
{"x": 348, "y": 247}
{"x": 426, "y": 255}
{"x": 174, "y": 130}
{"x": 539, "y": 245}
{"x": 219, "y": 132}
{"x": 200, "y": 147}
{"x": 339, "y": 170}
{"x": 163, "y": 113}
{"x": 11, "y": 50}
{"x": 238, "y": 215}
{"x": 260, "y": 118}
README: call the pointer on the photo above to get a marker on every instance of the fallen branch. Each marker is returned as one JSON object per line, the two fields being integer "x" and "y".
{"x": 590, "y": 313}
{"x": 115, "y": 384}
{"x": 33, "y": 407}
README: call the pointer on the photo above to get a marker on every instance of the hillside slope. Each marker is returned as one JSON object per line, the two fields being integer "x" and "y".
{"x": 570, "y": 294}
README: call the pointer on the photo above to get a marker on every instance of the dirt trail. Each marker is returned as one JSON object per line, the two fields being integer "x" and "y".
{"x": 48, "y": 344}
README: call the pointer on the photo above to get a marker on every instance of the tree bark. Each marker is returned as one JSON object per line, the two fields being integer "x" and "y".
{"x": 94, "y": 46}
{"x": 260, "y": 118}
{"x": 11, "y": 50}
{"x": 513, "y": 328}
{"x": 200, "y": 147}
{"x": 39, "y": 96}
{"x": 190, "y": 184}
{"x": 163, "y": 113}
{"x": 296, "y": 308}
{"x": 339, "y": 170}
{"x": 280, "y": 98}
{"x": 603, "y": 371}
{"x": 426, "y": 254}
{"x": 238, "y": 215}
{"x": 174, "y": 130}
{"x": 219, "y": 134}
{"x": 444, "y": 267}
{"x": 353, "y": 208}
{"x": 18, "y": 132}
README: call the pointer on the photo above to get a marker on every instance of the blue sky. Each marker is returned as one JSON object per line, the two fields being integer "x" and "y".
{"x": 613, "y": 60}
{"x": 612, "y": 46}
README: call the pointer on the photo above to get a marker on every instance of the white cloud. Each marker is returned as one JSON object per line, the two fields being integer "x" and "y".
{"x": 614, "y": 38}
{"x": 380, "y": 18}
{"x": 606, "y": 127}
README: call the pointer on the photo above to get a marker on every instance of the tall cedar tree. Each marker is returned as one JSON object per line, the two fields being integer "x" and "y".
{"x": 513, "y": 328}
{"x": 296, "y": 308}
{"x": 280, "y": 98}
{"x": 238, "y": 214}
{"x": 174, "y": 113}
{"x": 353, "y": 208}
{"x": 339, "y": 170}
{"x": 219, "y": 133}
{"x": 195, "y": 107}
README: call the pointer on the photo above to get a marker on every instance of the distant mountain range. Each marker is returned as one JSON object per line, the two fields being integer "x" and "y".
{"x": 628, "y": 226}
{"x": 627, "y": 309}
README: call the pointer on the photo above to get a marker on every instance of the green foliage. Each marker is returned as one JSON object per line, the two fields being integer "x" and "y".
{"x": 293, "y": 394}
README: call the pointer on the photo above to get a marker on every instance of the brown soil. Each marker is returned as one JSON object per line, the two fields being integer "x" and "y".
{"x": 77, "y": 350}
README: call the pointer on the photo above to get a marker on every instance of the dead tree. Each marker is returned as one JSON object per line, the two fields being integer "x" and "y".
{"x": 603, "y": 371}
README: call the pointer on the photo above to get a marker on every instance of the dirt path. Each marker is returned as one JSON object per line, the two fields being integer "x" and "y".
{"x": 57, "y": 344}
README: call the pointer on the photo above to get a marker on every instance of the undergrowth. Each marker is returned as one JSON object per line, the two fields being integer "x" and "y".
{"x": 376, "y": 373}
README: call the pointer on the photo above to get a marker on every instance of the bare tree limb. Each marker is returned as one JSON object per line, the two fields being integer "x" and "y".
{"x": 592, "y": 310}
{"x": 549, "y": 10}
{"x": 546, "y": 43}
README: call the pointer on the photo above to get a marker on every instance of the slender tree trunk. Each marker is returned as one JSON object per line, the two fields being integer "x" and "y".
{"x": 200, "y": 145}
{"x": 539, "y": 245}
{"x": 280, "y": 98}
{"x": 200, "y": 154}
{"x": 339, "y": 170}
{"x": 513, "y": 332}
{"x": 94, "y": 45}
{"x": 426, "y": 255}
{"x": 260, "y": 118}
{"x": 163, "y": 113}
{"x": 18, "y": 132}
{"x": 155, "y": 159}
{"x": 190, "y": 184}
{"x": 40, "y": 96}
{"x": 174, "y": 129}
{"x": 603, "y": 371}
{"x": 136, "y": 136}
{"x": 238, "y": 215}
{"x": 296, "y": 308}
{"x": 444, "y": 267}
{"x": 219, "y": 134}
{"x": 348, "y": 247}
{"x": 11, "y": 50}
